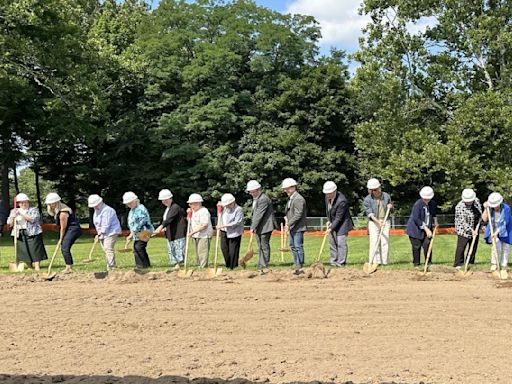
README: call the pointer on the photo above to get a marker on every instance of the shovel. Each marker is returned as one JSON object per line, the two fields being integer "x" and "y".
{"x": 212, "y": 272}
{"x": 317, "y": 266}
{"x": 51, "y": 275}
{"x": 427, "y": 258}
{"x": 466, "y": 272}
{"x": 284, "y": 239}
{"x": 125, "y": 249}
{"x": 90, "y": 259}
{"x": 16, "y": 266}
{"x": 499, "y": 273}
{"x": 184, "y": 273}
{"x": 249, "y": 254}
{"x": 371, "y": 266}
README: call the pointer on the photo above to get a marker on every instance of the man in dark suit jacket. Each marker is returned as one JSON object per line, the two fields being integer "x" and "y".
{"x": 263, "y": 222}
{"x": 340, "y": 223}
{"x": 420, "y": 224}
{"x": 295, "y": 216}
{"x": 175, "y": 227}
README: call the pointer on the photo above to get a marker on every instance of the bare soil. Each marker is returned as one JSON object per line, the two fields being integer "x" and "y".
{"x": 243, "y": 327}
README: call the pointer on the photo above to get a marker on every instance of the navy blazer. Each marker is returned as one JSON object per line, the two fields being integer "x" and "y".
{"x": 339, "y": 215}
{"x": 417, "y": 218}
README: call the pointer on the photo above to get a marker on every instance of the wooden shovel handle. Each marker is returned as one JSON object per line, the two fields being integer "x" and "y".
{"x": 429, "y": 251}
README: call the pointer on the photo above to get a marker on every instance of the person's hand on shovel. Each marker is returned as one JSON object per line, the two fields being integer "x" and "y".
{"x": 428, "y": 232}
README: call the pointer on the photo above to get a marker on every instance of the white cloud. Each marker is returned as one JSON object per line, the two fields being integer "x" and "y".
{"x": 339, "y": 19}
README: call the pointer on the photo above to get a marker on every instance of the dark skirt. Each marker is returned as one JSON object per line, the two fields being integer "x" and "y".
{"x": 31, "y": 248}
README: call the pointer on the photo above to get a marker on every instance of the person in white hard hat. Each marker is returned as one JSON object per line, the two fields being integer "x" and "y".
{"x": 263, "y": 222}
{"x": 107, "y": 227}
{"x": 295, "y": 221}
{"x": 138, "y": 221}
{"x": 420, "y": 224}
{"x": 201, "y": 229}
{"x": 231, "y": 227}
{"x": 27, "y": 232}
{"x": 174, "y": 224}
{"x": 501, "y": 220}
{"x": 468, "y": 212}
{"x": 375, "y": 204}
{"x": 339, "y": 223}
{"x": 70, "y": 229}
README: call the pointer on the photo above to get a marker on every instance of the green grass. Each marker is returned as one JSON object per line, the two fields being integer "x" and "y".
{"x": 400, "y": 253}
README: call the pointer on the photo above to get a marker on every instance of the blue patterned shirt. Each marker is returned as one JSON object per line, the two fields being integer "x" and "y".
{"x": 139, "y": 220}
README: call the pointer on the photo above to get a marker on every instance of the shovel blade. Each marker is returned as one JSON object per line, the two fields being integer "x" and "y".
{"x": 50, "y": 276}
{"x": 185, "y": 273}
{"x": 16, "y": 267}
{"x": 369, "y": 268}
{"x": 500, "y": 275}
{"x": 213, "y": 272}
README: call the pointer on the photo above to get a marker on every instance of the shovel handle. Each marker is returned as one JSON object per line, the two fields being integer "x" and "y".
{"x": 249, "y": 247}
{"x": 429, "y": 251}
{"x": 493, "y": 241}
{"x": 381, "y": 231}
{"x": 323, "y": 243}
{"x": 473, "y": 241}
{"x": 93, "y": 246}
{"x": 53, "y": 256}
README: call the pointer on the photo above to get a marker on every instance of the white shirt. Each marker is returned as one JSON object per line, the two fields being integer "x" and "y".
{"x": 200, "y": 218}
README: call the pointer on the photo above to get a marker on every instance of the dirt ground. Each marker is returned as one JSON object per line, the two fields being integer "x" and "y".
{"x": 245, "y": 328}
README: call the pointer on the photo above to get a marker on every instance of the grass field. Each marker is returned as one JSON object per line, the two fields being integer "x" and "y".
{"x": 400, "y": 253}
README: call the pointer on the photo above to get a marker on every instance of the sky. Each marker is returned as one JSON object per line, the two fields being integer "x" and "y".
{"x": 339, "y": 19}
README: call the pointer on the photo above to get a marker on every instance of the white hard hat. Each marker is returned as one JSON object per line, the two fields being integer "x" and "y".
{"x": 164, "y": 194}
{"x": 128, "y": 197}
{"x": 51, "y": 198}
{"x": 227, "y": 199}
{"x": 21, "y": 197}
{"x": 494, "y": 200}
{"x": 94, "y": 201}
{"x": 427, "y": 193}
{"x": 289, "y": 182}
{"x": 252, "y": 185}
{"x": 373, "y": 184}
{"x": 195, "y": 198}
{"x": 468, "y": 195}
{"x": 329, "y": 187}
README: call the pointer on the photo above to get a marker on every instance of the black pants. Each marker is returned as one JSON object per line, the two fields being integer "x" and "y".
{"x": 417, "y": 244}
{"x": 462, "y": 244}
{"x": 71, "y": 235}
{"x": 230, "y": 249}
{"x": 141, "y": 255}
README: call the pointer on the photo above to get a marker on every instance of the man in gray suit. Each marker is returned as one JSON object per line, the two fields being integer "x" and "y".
{"x": 295, "y": 217}
{"x": 263, "y": 222}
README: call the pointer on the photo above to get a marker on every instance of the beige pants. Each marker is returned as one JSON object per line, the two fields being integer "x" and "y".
{"x": 202, "y": 248}
{"x": 108, "y": 244}
{"x": 381, "y": 256}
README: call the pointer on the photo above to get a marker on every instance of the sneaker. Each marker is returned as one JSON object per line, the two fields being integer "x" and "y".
{"x": 458, "y": 267}
{"x": 493, "y": 267}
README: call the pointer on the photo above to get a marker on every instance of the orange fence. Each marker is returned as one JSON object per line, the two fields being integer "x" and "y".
{"x": 354, "y": 232}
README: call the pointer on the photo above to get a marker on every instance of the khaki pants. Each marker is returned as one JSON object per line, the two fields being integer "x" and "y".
{"x": 202, "y": 249}
{"x": 108, "y": 244}
{"x": 381, "y": 256}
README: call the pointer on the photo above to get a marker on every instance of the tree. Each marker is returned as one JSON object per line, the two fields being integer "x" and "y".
{"x": 413, "y": 89}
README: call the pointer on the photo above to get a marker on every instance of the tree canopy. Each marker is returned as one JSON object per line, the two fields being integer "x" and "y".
{"x": 109, "y": 96}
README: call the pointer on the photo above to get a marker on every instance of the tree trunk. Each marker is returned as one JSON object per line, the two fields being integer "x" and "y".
{"x": 38, "y": 191}
{"x": 16, "y": 186}
{"x": 6, "y": 197}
